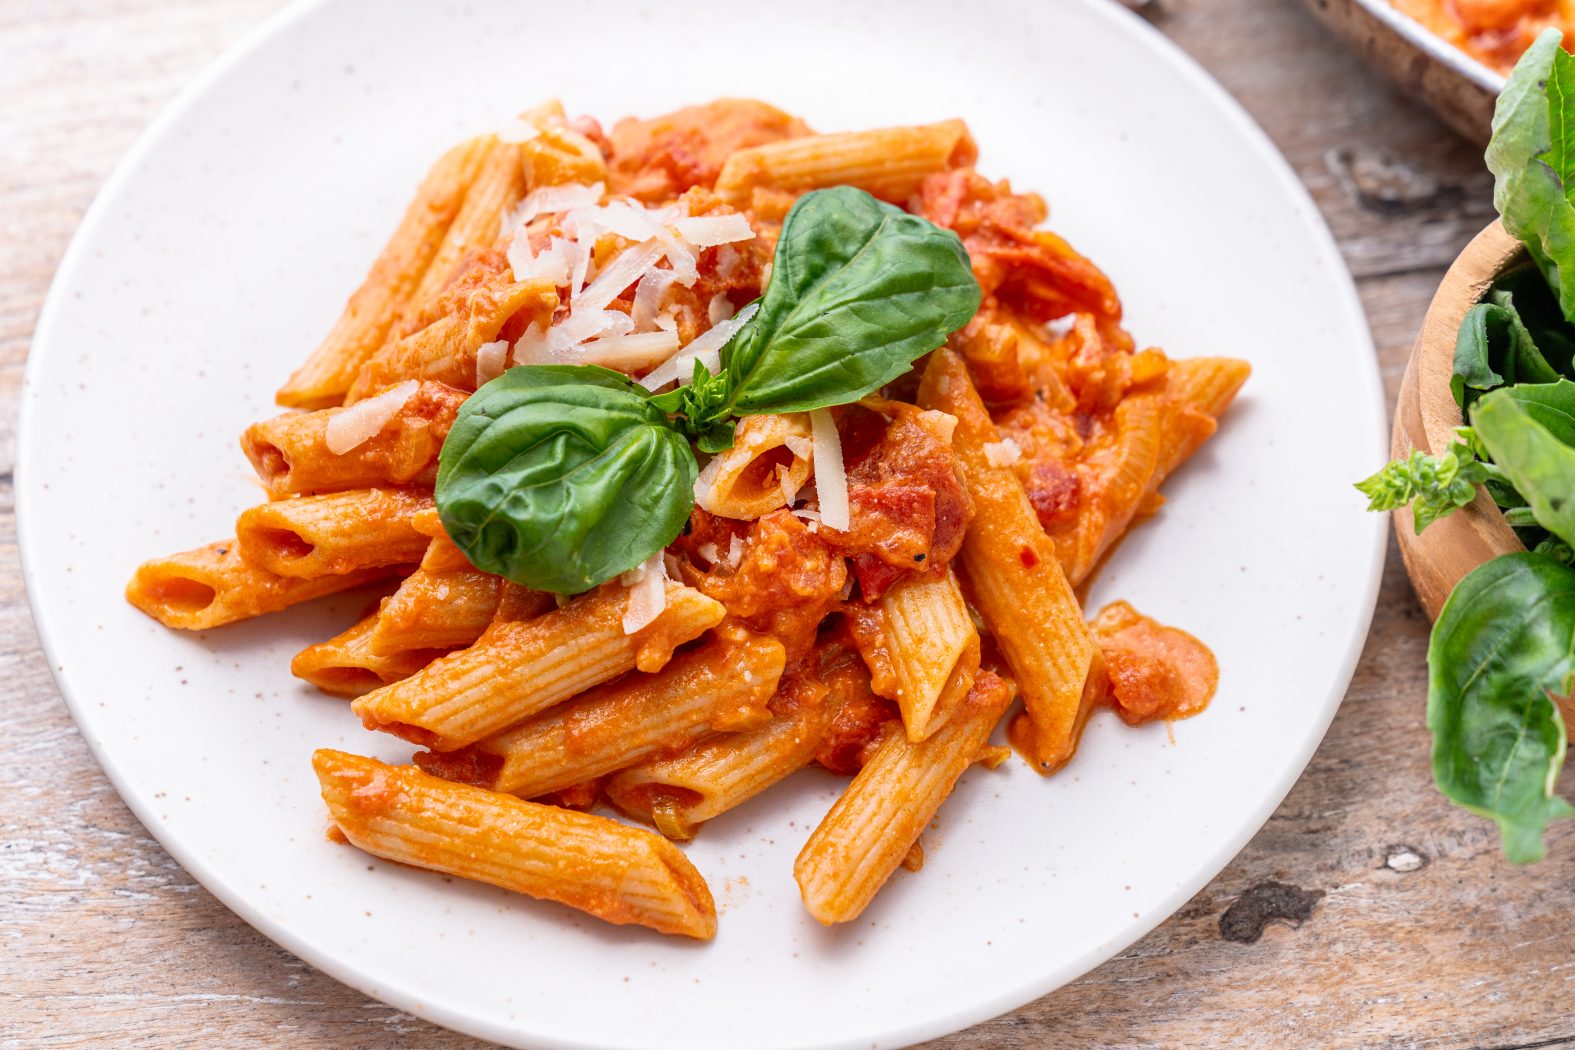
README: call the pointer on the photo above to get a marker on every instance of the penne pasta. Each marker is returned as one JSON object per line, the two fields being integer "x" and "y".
{"x": 680, "y": 792}
{"x": 769, "y": 462}
{"x": 442, "y": 554}
{"x": 558, "y": 154}
{"x": 498, "y": 186}
{"x": 922, "y": 649}
{"x": 887, "y": 162}
{"x": 1128, "y": 475}
{"x": 437, "y": 610}
{"x": 388, "y": 289}
{"x": 606, "y": 869}
{"x": 518, "y": 668}
{"x": 445, "y": 350}
{"x": 212, "y": 586}
{"x": 876, "y": 822}
{"x": 333, "y": 534}
{"x": 722, "y": 686}
{"x": 1016, "y": 580}
{"x": 1196, "y": 386}
{"x": 291, "y": 455}
{"x": 348, "y": 664}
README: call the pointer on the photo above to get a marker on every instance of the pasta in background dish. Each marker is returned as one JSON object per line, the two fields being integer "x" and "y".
{"x": 861, "y": 579}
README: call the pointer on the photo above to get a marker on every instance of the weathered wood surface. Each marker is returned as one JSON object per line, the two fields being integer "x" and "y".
{"x": 1367, "y": 913}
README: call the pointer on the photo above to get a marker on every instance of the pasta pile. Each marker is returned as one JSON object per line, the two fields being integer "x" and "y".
{"x": 865, "y": 588}
{"x": 1494, "y": 32}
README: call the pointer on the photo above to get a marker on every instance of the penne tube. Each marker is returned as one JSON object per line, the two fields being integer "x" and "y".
{"x": 1017, "y": 582}
{"x": 333, "y": 534}
{"x": 1155, "y": 432}
{"x": 291, "y": 456}
{"x": 878, "y": 819}
{"x": 518, "y": 604}
{"x": 1209, "y": 384}
{"x": 213, "y": 585}
{"x": 1199, "y": 385}
{"x": 442, "y": 555}
{"x": 599, "y": 866}
{"x": 498, "y": 186}
{"x": 347, "y": 664}
{"x": 558, "y": 154}
{"x": 921, "y": 647}
{"x": 445, "y": 350}
{"x": 520, "y": 667}
{"x": 722, "y": 686}
{"x": 371, "y": 312}
{"x": 887, "y": 162}
{"x": 436, "y": 610}
{"x": 680, "y": 792}
{"x": 771, "y": 457}
{"x": 1128, "y": 478}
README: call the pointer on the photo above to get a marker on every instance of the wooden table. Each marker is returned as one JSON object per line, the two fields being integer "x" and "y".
{"x": 1367, "y": 913}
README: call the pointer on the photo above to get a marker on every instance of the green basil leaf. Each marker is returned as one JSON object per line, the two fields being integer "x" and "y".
{"x": 1551, "y": 404}
{"x": 1524, "y": 291}
{"x": 1504, "y": 641}
{"x": 1536, "y": 462}
{"x": 560, "y": 477}
{"x": 1488, "y": 335}
{"x": 700, "y": 408}
{"x": 1493, "y": 348}
{"x": 859, "y": 290}
{"x": 1532, "y": 157}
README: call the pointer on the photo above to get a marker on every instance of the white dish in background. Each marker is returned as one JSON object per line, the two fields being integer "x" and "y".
{"x": 223, "y": 248}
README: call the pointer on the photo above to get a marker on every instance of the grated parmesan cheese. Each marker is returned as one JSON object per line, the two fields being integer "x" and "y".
{"x": 831, "y": 479}
{"x": 551, "y": 263}
{"x": 1002, "y": 453}
{"x": 789, "y": 489}
{"x": 630, "y": 266}
{"x": 491, "y": 359}
{"x": 706, "y": 482}
{"x": 352, "y": 427}
{"x": 552, "y": 200}
{"x": 647, "y": 584}
{"x": 708, "y": 231}
{"x": 706, "y": 347}
{"x": 531, "y": 347}
{"x": 735, "y": 551}
{"x": 648, "y": 298}
{"x": 628, "y": 353}
{"x": 719, "y": 309}
{"x": 517, "y": 131}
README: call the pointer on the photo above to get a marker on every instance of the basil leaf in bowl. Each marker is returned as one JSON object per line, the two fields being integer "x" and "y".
{"x": 1504, "y": 644}
{"x": 560, "y": 477}
{"x": 1531, "y": 456}
{"x": 1532, "y": 157}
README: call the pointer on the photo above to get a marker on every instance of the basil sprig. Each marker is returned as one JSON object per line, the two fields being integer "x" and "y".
{"x": 560, "y": 477}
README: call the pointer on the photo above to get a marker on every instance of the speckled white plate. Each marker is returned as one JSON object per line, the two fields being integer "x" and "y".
{"x": 222, "y": 250}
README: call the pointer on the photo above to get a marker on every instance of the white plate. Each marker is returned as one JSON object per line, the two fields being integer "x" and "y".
{"x": 223, "y": 248}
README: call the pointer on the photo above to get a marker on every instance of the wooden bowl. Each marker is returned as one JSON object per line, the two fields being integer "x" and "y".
{"x": 1425, "y": 418}
{"x": 1455, "y": 86}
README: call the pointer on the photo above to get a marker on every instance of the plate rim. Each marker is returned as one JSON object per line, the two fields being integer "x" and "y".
{"x": 345, "y": 970}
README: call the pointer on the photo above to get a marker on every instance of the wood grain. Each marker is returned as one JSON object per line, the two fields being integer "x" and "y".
{"x": 1426, "y": 417}
{"x": 1367, "y": 913}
